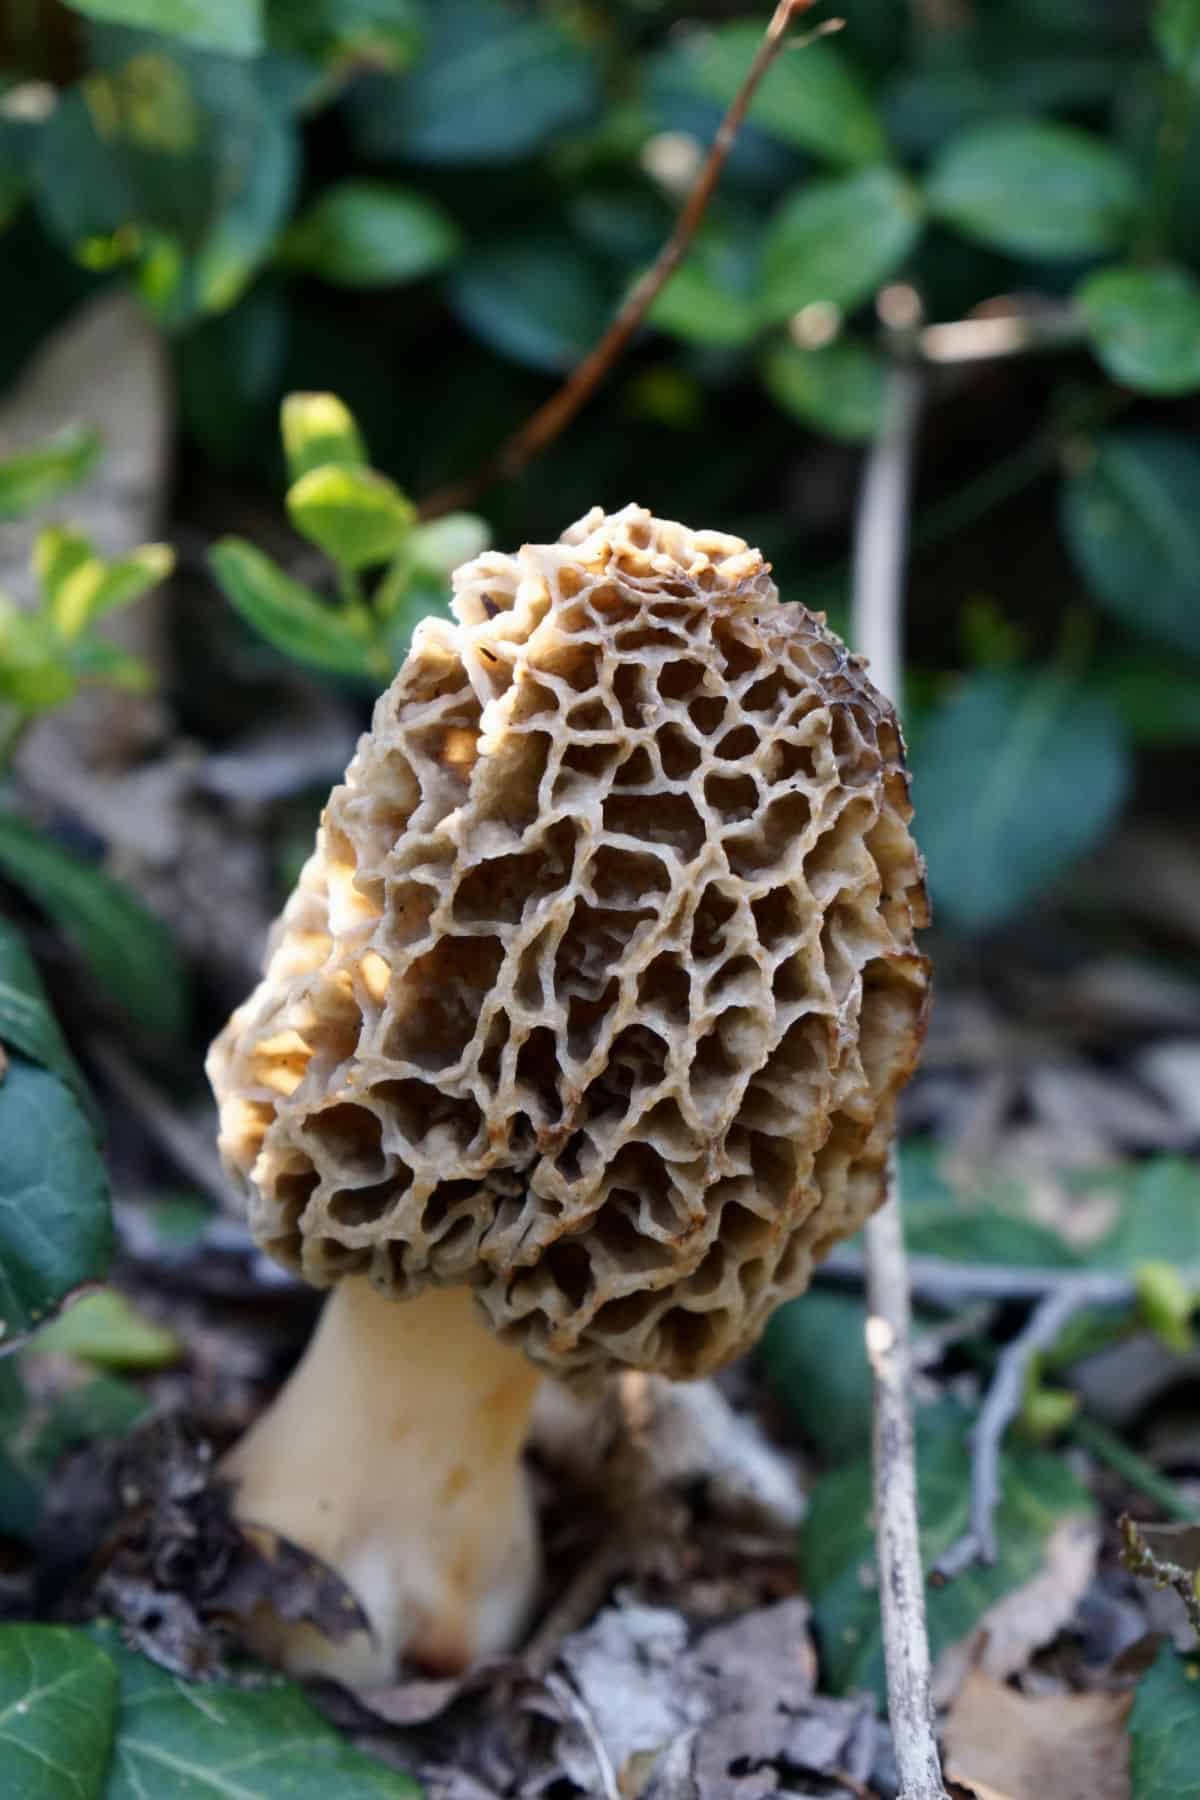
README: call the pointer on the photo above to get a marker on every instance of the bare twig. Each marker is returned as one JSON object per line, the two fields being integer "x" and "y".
{"x": 936, "y": 1281}
{"x": 1000, "y": 1407}
{"x": 1141, "y": 1558}
{"x": 879, "y": 544}
{"x": 550, "y": 419}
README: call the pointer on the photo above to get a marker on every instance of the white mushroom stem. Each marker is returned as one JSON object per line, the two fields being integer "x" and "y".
{"x": 393, "y": 1453}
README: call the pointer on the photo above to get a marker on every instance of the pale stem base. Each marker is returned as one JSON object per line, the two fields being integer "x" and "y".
{"x": 393, "y": 1453}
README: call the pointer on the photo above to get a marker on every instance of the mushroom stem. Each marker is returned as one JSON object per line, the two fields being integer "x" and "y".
{"x": 393, "y": 1453}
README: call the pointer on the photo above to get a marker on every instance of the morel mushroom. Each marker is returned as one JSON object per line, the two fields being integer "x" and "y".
{"x": 581, "y": 1036}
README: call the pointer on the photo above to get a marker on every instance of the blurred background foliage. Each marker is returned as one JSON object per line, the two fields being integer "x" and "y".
{"x": 432, "y": 209}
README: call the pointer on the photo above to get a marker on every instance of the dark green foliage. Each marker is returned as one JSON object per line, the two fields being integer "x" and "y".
{"x": 433, "y": 208}
{"x": 1164, "y": 1729}
{"x": 83, "y": 1718}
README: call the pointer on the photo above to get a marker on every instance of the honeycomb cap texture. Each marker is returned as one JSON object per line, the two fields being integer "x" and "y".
{"x": 599, "y": 986}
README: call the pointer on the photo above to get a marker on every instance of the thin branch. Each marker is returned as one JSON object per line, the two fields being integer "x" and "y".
{"x": 936, "y": 1281}
{"x": 189, "y": 1146}
{"x": 881, "y": 528}
{"x": 897, "y": 1525}
{"x": 550, "y": 419}
{"x": 1000, "y": 1407}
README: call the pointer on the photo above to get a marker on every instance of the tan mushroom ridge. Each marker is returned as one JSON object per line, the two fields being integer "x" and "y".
{"x": 597, "y": 991}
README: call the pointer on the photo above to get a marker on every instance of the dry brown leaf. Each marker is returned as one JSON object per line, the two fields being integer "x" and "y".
{"x": 1001, "y": 1745}
{"x": 1031, "y": 1616}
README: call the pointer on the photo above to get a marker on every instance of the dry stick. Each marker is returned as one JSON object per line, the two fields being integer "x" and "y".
{"x": 1001, "y": 1405}
{"x": 543, "y": 426}
{"x": 880, "y": 532}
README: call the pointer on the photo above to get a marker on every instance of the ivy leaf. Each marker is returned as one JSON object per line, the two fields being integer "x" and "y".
{"x": 33, "y": 477}
{"x": 837, "y": 389}
{"x": 1036, "y": 189}
{"x": 368, "y": 234}
{"x": 55, "y": 1227}
{"x": 1145, "y": 327}
{"x": 1132, "y": 521}
{"x": 129, "y": 952}
{"x": 1014, "y": 778}
{"x": 494, "y": 84}
{"x": 58, "y": 1710}
{"x": 234, "y": 26}
{"x": 813, "y": 99}
{"x": 26, "y": 1022}
{"x": 1164, "y": 1729}
{"x": 176, "y": 1740}
{"x": 356, "y": 516}
{"x": 838, "y": 1550}
{"x": 288, "y": 615}
{"x": 838, "y": 240}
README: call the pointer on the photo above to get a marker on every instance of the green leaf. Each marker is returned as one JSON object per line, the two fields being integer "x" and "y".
{"x": 1145, "y": 327}
{"x": 712, "y": 297}
{"x": 58, "y": 1710}
{"x": 176, "y": 1741}
{"x": 369, "y": 234}
{"x": 838, "y": 1550}
{"x": 1032, "y": 188}
{"x": 495, "y": 83}
{"x": 288, "y": 615}
{"x": 81, "y": 587}
{"x": 55, "y": 1228}
{"x": 838, "y": 241}
{"x": 355, "y": 516}
{"x": 128, "y": 951}
{"x": 106, "y": 1328}
{"x": 812, "y": 98}
{"x": 816, "y": 1362}
{"x": 539, "y": 300}
{"x": 446, "y": 543}
{"x": 234, "y": 26}
{"x": 26, "y": 1022}
{"x": 34, "y": 673}
{"x": 33, "y": 477}
{"x": 1132, "y": 521}
{"x": 837, "y": 389}
{"x": 177, "y": 160}
{"x": 1160, "y": 1217}
{"x": 1014, "y": 778}
{"x": 1177, "y": 34}
{"x": 1164, "y": 1729}
{"x": 376, "y": 34}
{"x": 319, "y": 429}
{"x": 97, "y": 659}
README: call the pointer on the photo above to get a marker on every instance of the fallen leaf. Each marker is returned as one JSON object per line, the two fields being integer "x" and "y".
{"x": 1002, "y": 1745}
{"x": 1031, "y": 1616}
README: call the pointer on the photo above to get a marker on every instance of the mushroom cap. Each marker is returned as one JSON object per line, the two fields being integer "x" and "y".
{"x": 599, "y": 986}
